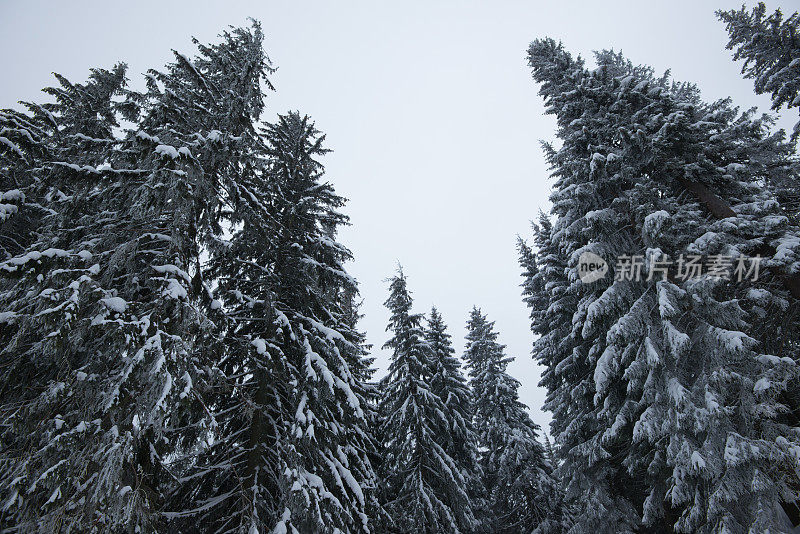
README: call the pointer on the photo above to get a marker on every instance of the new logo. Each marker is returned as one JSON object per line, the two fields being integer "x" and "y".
{"x": 591, "y": 267}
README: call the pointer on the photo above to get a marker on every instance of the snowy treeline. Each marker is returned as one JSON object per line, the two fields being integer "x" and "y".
{"x": 179, "y": 340}
{"x": 180, "y": 348}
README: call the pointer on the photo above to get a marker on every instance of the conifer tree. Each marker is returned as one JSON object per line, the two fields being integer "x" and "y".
{"x": 448, "y": 383}
{"x": 50, "y": 278}
{"x": 672, "y": 410}
{"x": 515, "y": 471}
{"x": 424, "y": 487}
{"x": 291, "y": 450}
{"x": 770, "y": 48}
{"x": 113, "y": 298}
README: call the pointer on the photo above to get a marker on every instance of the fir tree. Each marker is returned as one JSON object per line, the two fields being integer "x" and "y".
{"x": 424, "y": 487}
{"x": 516, "y": 473}
{"x": 448, "y": 383}
{"x": 672, "y": 412}
{"x": 52, "y": 472}
{"x": 770, "y": 48}
{"x": 290, "y": 451}
{"x": 113, "y": 300}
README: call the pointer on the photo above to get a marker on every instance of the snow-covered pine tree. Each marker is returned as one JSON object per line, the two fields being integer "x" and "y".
{"x": 770, "y": 48}
{"x": 46, "y": 280}
{"x": 289, "y": 451}
{"x": 425, "y": 489}
{"x": 523, "y": 496}
{"x": 114, "y": 310}
{"x": 686, "y": 428}
{"x": 449, "y": 384}
{"x": 545, "y": 292}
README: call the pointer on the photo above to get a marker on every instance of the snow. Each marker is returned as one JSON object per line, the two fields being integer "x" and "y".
{"x": 78, "y": 168}
{"x": 216, "y": 304}
{"x": 12, "y": 146}
{"x": 167, "y": 150}
{"x": 147, "y": 137}
{"x": 603, "y": 371}
{"x": 13, "y": 195}
{"x": 115, "y": 304}
{"x": 733, "y": 340}
{"x": 7, "y": 210}
{"x": 350, "y": 480}
{"x": 676, "y": 391}
{"x": 164, "y": 392}
{"x": 763, "y": 384}
{"x": 33, "y": 255}
{"x": 175, "y": 290}
{"x": 188, "y": 389}
{"x": 697, "y": 460}
{"x": 173, "y": 269}
{"x": 260, "y": 345}
{"x": 319, "y": 363}
{"x": 787, "y": 248}
{"x": 654, "y": 222}
{"x": 55, "y": 495}
{"x": 280, "y": 528}
{"x": 653, "y": 358}
{"x": 329, "y": 333}
{"x": 299, "y": 415}
{"x": 597, "y": 160}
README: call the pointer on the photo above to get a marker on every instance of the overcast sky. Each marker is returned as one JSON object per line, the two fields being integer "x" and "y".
{"x": 429, "y": 107}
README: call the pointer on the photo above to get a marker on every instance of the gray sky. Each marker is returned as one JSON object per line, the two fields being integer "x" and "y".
{"x": 429, "y": 107}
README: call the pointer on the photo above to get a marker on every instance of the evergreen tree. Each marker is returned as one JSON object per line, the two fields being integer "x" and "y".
{"x": 51, "y": 471}
{"x": 292, "y": 450}
{"x": 425, "y": 487}
{"x": 448, "y": 383}
{"x": 770, "y": 48}
{"x": 112, "y": 301}
{"x": 516, "y": 473}
{"x": 673, "y": 412}
{"x": 545, "y": 291}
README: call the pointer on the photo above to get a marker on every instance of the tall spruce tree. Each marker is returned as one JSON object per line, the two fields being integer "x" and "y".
{"x": 54, "y": 457}
{"x": 107, "y": 309}
{"x": 770, "y": 48}
{"x": 674, "y": 399}
{"x": 425, "y": 488}
{"x": 516, "y": 473}
{"x": 449, "y": 384}
{"x": 290, "y": 450}
{"x": 545, "y": 292}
